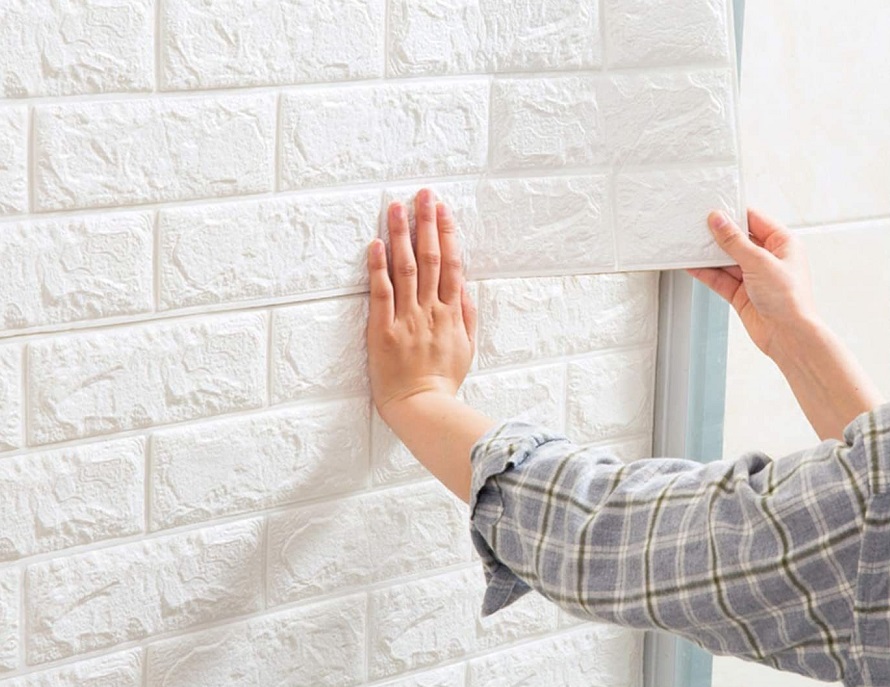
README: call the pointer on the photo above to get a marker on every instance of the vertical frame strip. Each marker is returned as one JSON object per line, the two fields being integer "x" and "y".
{"x": 690, "y": 401}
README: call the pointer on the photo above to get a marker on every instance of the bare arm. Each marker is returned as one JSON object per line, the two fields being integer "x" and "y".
{"x": 770, "y": 289}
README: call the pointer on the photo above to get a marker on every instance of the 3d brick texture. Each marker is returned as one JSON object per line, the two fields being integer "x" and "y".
{"x": 195, "y": 488}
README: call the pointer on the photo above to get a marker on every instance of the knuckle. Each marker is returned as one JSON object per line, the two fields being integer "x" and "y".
{"x": 426, "y": 213}
{"x": 430, "y": 258}
{"x": 382, "y": 294}
{"x": 407, "y": 269}
{"x": 453, "y": 262}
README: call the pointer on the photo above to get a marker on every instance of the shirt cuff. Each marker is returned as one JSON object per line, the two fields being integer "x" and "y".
{"x": 502, "y": 447}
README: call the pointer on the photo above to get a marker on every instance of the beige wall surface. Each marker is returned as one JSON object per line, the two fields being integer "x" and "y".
{"x": 815, "y": 105}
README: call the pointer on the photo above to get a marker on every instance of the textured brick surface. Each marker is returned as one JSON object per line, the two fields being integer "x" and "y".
{"x": 10, "y": 396}
{"x": 374, "y": 541}
{"x": 554, "y": 122}
{"x": 437, "y": 618}
{"x": 655, "y": 33}
{"x": 103, "y": 598}
{"x": 492, "y": 35}
{"x": 237, "y": 465}
{"x": 656, "y": 211}
{"x": 57, "y": 271}
{"x": 80, "y": 46}
{"x": 9, "y": 619}
{"x": 320, "y": 348}
{"x": 122, "y": 669}
{"x": 209, "y": 45}
{"x": 530, "y": 319}
{"x": 375, "y": 133}
{"x": 98, "y": 383}
{"x": 611, "y": 395}
{"x": 265, "y": 249}
{"x": 148, "y": 150}
{"x": 195, "y": 488}
{"x": 322, "y": 644}
{"x": 70, "y": 496}
{"x": 594, "y": 655}
{"x": 670, "y": 118}
{"x": 13, "y": 157}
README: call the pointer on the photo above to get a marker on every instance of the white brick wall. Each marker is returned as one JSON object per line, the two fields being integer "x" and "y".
{"x": 194, "y": 486}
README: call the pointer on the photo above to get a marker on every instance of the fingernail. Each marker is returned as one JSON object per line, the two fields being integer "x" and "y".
{"x": 444, "y": 212}
{"x": 398, "y": 211}
{"x": 718, "y": 219}
{"x": 377, "y": 247}
{"x": 426, "y": 197}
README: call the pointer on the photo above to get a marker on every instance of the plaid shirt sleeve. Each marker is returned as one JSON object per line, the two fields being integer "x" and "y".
{"x": 780, "y": 562}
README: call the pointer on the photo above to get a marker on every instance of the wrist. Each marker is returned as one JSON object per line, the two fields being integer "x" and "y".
{"x": 798, "y": 340}
{"x": 418, "y": 400}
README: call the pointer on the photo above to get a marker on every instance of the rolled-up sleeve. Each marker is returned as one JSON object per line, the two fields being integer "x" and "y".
{"x": 751, "y": 557}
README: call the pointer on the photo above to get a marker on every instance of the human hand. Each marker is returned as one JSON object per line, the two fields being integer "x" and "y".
{"x": 770, "y": 288}
{"x": 422, "y": 322}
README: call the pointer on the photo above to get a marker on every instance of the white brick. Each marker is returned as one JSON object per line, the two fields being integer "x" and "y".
{"x": 322, "y": 645}
{"x": 9, "y": 619}
{"x": 71, "y": 496}
{"x": 429, "y": 36}
{"x": 111, "y": 381}
{"x": 243, "y": 464}
{"x": 663, "y": 216}
{"x": 670, "y": 118}
{"x": 376, "y": 133}
{"x": 210, "y": 45}
{"x": 533, "y": 395}
{"x": 554, "y": 122}
{"x": 100, "y": 599}
{"x": 115, "y": 670}
{"x": 657, "y": 33}
{"x": 536, "y": 395}
{"x": 320, "y": 348}
{"x": 265, "y": 249}
{"x": 10, "y": 396}
{"x": 595, "y": 655}
{"x": 13, "y": 156}
{"x": 524, "y": 225}
{"x": 534, "y": 225}
{"x": 425, "y": 622}
{"x": 65, "y": 270}
{"x": 365, "y": 539}
{"x": 452, "y": 676}
{"x": 531, "y": 319}
{"x": 88, "y": 46}
{"x": 152, "y": 149}
{"x": 611, "y": 395}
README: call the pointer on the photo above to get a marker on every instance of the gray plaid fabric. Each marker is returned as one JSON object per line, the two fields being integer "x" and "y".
{"x": 785, "y": 562}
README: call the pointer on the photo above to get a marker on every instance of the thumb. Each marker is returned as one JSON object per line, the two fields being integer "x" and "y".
{"x": 734, "y": 241}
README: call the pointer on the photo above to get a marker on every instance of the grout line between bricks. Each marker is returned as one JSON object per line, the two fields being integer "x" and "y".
{"x": 393, "y": 81}
{"x": 158, "y": 45}
{"x": 473, "y": 175}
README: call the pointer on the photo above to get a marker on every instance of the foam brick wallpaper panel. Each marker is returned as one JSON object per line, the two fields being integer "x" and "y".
{"x": 195, "y": 489}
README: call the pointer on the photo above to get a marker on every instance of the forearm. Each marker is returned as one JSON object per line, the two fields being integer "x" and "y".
{"x": 829, "y": 384}
{"x": 440, "y": 431}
